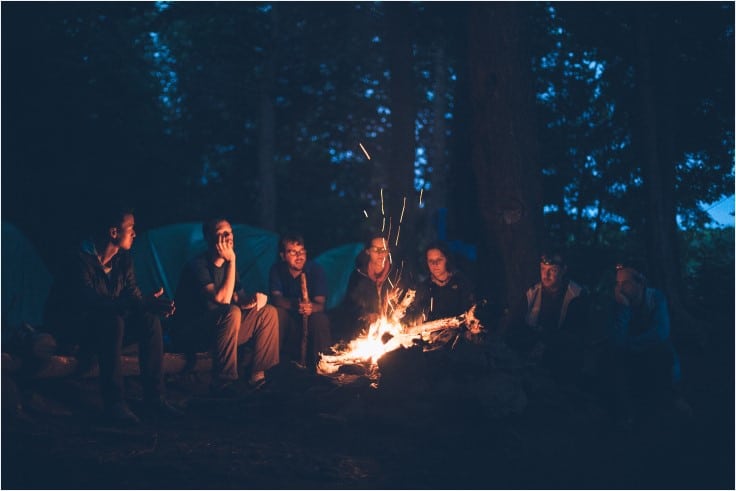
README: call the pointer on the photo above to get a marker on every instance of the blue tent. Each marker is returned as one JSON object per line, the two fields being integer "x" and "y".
{"x": 25, "y": 279}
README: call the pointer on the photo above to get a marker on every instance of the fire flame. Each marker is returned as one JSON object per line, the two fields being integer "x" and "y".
{"x": 383, "y": 336}
{"x": 386, "y": 335}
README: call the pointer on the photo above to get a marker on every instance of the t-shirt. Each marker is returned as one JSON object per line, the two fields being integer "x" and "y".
{"x": 190, "y": 298}
{"x": 280, "y": 280}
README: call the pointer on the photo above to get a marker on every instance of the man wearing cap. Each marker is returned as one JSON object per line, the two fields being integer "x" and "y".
{"x": 550, "y": 321}
{"x": 643, "y": 360}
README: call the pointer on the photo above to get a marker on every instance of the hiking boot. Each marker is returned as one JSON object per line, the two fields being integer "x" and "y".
{"x": 119, "y": 413}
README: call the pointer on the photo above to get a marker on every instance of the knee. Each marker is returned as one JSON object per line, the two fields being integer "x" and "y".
{"x": 230, "y": 315}
{"x": 269, "y": 315}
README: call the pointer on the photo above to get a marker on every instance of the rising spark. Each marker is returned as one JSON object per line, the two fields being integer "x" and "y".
{"x": 420, "y": 196}
{"x": 365, "y": 213}
{"x": 398, "y": 232}
{"x": 403, "y": 207}
{"x": 364, "y": 150}
{"x": 382, "y": 212}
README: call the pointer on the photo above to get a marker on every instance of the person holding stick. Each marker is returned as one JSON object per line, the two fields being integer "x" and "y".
{"x": 299, "y": 292}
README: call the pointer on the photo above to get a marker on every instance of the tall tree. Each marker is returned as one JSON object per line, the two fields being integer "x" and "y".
{"x": 504, "y": 145}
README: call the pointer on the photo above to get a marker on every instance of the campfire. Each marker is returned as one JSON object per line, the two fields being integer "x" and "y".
{"x": 361, "y": 355}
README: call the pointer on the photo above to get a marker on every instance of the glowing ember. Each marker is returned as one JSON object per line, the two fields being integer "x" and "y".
{"x": 364, "y": 150}
{"x": 383, "y": 336}
{"x": 386, "y": 335}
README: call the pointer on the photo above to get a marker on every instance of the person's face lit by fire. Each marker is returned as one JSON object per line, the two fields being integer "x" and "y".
{"x": 437, "y": 263}
{"x": 629, "y": 286}
{"x": 295, "y": 255}
{"x": 378, "y": 252}
{"x": 122, "y": 236}
{"x": 552, "y": 276}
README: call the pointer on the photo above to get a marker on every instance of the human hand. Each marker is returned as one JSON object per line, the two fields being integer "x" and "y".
{"x": 225, "y": 248}
{"x": 621, "y": 297}
{"x": 305, "y": 308}
{"x": 160, "y": 304}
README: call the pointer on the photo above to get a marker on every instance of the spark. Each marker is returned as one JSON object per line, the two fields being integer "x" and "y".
{"x": 403, "y": 207}
{"x": 398, "y": 232}
{"x": 364, "y": 150}
{"x": 382, "y": 212}
{"x": 431, "y": 304}
{"x": 389, "y": 281}
{"x": 389, "y": 228}
{"x": 365, "y": 213}
{"x": 420, "y": 196}
{"x": 383, "y": 224}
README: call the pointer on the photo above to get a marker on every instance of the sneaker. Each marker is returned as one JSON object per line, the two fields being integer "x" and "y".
{"x": 119, "y": 413}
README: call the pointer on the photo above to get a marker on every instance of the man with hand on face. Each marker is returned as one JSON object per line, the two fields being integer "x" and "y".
{"x": 216, "y": 312}
{"x": 293, "y": 310}
{"x": 643, "y": 360}
{"x": 551, "y": 320}
{"x": 96, "y": 304}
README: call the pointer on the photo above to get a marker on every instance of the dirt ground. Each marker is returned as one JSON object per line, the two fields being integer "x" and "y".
{"x": 465, "y": 421}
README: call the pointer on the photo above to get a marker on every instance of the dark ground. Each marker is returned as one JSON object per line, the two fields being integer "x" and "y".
{"x": 462, "y": 421}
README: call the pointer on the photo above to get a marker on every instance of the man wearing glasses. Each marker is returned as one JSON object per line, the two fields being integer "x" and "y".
{"x": 216, "y": 311}
{"x": 295, "y": 309}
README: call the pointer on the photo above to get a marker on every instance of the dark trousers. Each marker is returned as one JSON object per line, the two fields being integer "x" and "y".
{"x": 645, "y": 375}
{"x": 105, "y": 335}
{"x": 319, "y": 337}
{"x": 226, "y": 327}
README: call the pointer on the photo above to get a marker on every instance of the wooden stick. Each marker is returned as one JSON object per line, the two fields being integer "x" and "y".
{"x": 305, "y": 321}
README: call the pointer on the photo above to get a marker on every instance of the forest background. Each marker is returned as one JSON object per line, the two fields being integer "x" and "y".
{"x": 601, "y": 128}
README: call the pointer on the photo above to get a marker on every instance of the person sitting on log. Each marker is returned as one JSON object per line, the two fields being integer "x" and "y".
{"x": 643, "y": 360}
{"x": 297, "y": 311}
{"x": 549, "y": 323}
{"x": 216, "y": 313}
{"x": 369, "y": 288}
{"x": 95, "y": 304}
{"x": 446, "y": 292}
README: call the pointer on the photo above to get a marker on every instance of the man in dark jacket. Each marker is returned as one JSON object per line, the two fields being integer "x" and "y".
{"x": 96, "y": 305}
{"x": 550, "y": 321}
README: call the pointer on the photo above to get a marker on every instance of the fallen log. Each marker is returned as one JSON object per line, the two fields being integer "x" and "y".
{"x": 58, "y": 366}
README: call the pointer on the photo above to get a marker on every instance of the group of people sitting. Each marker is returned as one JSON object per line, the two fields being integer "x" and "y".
{"x": 97, "y": 307}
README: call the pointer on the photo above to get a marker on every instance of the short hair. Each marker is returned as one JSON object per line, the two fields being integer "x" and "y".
{"x": 209, "y": 226}
{"x": 553, "y": 256}
{"x": 108, "y": 216}
{"x": 290, "y": 237}
{"x": 637, "y": 265}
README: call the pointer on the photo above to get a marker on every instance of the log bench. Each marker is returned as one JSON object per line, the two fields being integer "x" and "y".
{"x": 58, "y": 366}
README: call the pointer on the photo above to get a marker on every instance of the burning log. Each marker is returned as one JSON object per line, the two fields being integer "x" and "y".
{"x": 387, "y": 335}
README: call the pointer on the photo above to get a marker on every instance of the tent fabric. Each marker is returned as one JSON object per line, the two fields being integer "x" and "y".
{"x": 159, "y": 255}
{"x": 26, "y": 280}
{"x": 338, "y": 263}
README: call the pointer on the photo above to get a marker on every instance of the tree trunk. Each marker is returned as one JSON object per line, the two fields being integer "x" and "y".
{"x": 436, "y": 154}
{"x": 504, "y": 146}
{"x": 400, "y": 166}
{"x": 658, "y": 169}
{"x": 267, "y": 132}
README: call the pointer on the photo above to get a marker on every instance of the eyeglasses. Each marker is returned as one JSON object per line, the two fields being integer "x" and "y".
{"x": 293, "y": 253}
{"x": 379, "y": 250}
